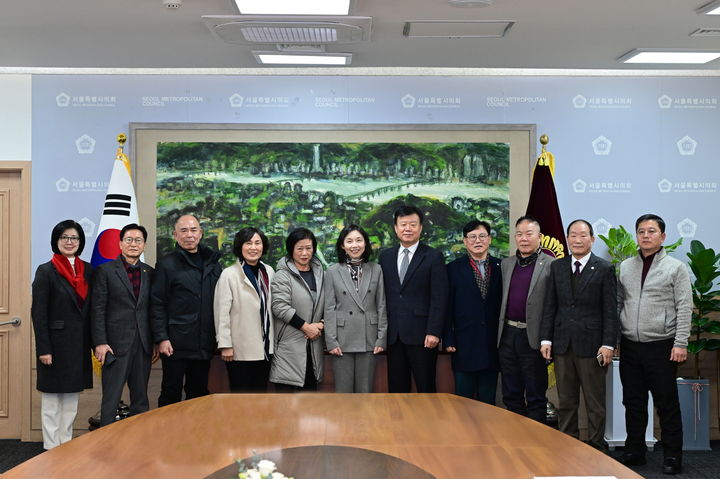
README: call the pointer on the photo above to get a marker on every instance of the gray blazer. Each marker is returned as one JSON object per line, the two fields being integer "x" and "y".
{"x": 535, "y": 299}
{"x": 355, "y": 321}
{"x": 115, "y": 314}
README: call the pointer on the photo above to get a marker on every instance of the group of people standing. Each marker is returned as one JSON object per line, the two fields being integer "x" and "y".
{"x": 272, "y": 326}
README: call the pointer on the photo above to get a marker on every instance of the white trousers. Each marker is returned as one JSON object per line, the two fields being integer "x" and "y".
{"x": 57, "y": 413}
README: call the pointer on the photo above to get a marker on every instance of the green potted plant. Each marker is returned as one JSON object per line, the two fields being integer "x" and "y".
{"x": 694, "y": 393}
{"x": 621, "y": 245}
{"x": 705, "y": 265}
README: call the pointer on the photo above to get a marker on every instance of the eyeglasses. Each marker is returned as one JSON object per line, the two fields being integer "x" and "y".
{"x": 481, "y": 237}
{"x": 69, "y": 239}
{"x": 129, "y": 240}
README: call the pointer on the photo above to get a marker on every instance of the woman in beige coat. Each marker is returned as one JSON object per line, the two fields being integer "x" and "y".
{"x": 243, "y": 318}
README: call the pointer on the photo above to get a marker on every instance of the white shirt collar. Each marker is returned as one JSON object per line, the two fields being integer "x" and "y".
{"x": 412, "y": 248}
{"x": 583, "y": 261}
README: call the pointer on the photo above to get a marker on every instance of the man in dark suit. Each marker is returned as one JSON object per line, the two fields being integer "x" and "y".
{"x": 580, "y": 330}
{"x": 416, "y": 291}
{"x": 524, "y": 373}
{"x": 121, "y": 325}
{"x": 475, "y": 283}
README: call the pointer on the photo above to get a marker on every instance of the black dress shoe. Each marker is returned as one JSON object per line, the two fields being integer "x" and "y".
{"x": 632, "y": 459}
{"x": 672, "y": 465}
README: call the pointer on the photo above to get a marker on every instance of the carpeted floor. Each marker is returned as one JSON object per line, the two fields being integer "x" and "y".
{"x": 696, "y": 464}
{"x": 13, "y": 452}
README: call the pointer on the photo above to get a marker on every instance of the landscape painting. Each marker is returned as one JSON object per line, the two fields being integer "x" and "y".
{"x": 324, "y": 186}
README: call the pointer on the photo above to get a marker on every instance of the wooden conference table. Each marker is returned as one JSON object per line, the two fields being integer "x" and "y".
{"x": 445, "y": 435}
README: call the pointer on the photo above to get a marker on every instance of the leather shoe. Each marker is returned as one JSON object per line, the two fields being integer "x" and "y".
{"x": 632, "y": 459}
{"x": 672, "y": 465}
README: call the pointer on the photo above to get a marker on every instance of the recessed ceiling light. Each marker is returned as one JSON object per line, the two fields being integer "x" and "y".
{"x": 641, "y": 55}
{"x": 470, "y": 3}
{"x": 712, "y": 8}
{"x": 293, "y": 7}
{"x": 300, "y": 58}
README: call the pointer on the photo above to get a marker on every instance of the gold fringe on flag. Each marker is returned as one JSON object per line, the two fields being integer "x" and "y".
{"x": 551, "y": 375}
{"x": 97, "y": 367}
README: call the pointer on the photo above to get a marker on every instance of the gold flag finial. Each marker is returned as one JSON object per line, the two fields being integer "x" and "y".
{"x": 546, "y": 158}
{"x": 120, "y": 154}
{"x": 544, "y": 140}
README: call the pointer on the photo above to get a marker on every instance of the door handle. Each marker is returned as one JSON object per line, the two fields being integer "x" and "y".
{"x": 14, "y": 322}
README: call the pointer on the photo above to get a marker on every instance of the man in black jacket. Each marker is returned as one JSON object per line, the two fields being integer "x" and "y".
{"x": 182, "y": 312}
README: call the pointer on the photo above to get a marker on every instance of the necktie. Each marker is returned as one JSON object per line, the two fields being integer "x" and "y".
{"x": 481, "y": 267}
{"x": 577, "y": 268}
{"x": 404, "y": 264}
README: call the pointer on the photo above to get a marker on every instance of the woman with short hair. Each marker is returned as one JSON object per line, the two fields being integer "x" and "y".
{"x": 355, "y": 315}
{"x": 243, "y": 319}
{"x": 298, "y": 305}
{"x": 61, "y": 320}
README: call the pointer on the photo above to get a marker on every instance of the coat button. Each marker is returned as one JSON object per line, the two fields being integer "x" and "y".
{"x": 350, "y": 313}
{"x": 344, "y": 292}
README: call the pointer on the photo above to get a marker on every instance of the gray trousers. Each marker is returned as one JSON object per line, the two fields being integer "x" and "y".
{"x": 354, "y": 372}
{"x": 132, "y": 368}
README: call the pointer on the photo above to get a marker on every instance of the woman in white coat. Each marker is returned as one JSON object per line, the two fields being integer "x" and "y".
{"x": 355, "y": 316}
{"x": 243, "y": 318}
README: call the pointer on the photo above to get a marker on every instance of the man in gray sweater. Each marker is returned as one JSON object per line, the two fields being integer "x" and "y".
{"x": 656, "y": 308}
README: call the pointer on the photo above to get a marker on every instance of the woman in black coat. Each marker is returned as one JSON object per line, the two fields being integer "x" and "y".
{"x": 60, "y": 307}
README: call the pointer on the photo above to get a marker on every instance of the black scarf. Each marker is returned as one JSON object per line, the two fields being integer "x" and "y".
{"x": 528, "y": 260}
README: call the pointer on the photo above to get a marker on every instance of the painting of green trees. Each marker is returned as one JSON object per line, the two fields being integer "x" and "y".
{"x": 324, "y": 186}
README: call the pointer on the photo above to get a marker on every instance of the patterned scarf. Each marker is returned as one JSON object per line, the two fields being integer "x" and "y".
{"x": 76, "y": 277}
{"x": 483, "y": 281}
{"x": 262, "y": 286}
{"x": 355, "y": 268}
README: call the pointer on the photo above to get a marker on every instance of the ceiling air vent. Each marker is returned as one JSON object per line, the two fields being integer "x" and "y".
{"x": 706, "y": 32}
{"x": 297, "y": 29}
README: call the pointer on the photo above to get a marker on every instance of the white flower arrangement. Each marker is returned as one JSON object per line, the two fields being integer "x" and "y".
{"x": 260, "y": 469}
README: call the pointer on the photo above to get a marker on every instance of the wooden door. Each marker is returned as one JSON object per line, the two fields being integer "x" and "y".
{"x": 15, "y": 323}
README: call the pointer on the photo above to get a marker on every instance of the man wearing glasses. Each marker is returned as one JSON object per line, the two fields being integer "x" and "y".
{"x": 656, "y": 308}
{"x": 121, "y": 325}
{"x": 474, "y": 306}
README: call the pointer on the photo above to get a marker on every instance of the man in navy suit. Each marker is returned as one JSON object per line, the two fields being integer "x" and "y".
{"x": 416, "y": 291}
{"x": 121, "y": 325}
{"x": 474, "y": 308}
{"x": 580, "y": 330}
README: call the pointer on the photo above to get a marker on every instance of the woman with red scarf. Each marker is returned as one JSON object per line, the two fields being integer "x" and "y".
{"x": 60, "y": 306}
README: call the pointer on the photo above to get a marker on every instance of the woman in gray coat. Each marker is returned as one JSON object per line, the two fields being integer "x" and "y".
{"x": 297, "y": 306}
{"x": 355, "y": 316}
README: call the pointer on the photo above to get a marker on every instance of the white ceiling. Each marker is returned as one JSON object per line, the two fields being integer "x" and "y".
{"x": 568, "y": 34}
